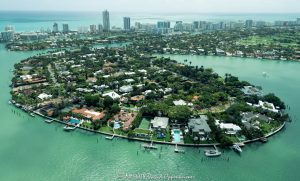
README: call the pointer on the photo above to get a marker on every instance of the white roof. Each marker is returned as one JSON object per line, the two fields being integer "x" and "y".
{"x": 112, "y": 94}
{"x": 160, "y": 122}
{"x": 180, "y": 103}
{"x": 230, "y": 126}
{"x": 44, "y": 96}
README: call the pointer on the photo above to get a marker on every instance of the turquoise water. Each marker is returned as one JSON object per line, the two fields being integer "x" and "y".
{"x": 34, "y": 21}
{"x": 33, "y": 150}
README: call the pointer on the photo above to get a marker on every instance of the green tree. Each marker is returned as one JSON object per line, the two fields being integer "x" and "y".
{"x": 180, "y": 113}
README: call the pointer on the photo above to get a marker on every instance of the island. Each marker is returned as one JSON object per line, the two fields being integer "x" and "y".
{"x": 123, "y": 92}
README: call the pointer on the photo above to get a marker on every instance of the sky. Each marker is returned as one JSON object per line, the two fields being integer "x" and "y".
{"x": 160, "y": 6}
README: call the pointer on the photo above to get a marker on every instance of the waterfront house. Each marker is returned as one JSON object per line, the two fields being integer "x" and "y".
{"x": 159, "y": 123}
{"x": 229, "y": 128}
{"x": 250, "y": 90}
{"x": 199, "y": 126}
{"x": 90, "y": 114}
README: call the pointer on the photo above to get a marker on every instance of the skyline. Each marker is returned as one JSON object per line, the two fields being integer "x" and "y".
{"x": 156, "y": 6}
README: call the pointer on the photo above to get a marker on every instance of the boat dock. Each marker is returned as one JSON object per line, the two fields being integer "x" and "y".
{"x": 150, "y": 146}
{"x": 110, "y": 137}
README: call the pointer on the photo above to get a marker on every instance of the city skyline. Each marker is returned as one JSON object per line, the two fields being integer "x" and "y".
{"x": 158, "y": 6}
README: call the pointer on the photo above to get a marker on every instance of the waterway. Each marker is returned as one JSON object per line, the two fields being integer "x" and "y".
{"x": 33, "y": 150}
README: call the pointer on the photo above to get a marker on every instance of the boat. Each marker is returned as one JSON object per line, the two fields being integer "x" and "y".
{"x": 176, "y": 150}
{"x": 32, "y": 115}
{"x": 69, "y": 128}
{"x": 263, "y": 139}
{"x": 237, "y": 148}
{"x": 212, "y": 153}
{"x": 48, "y": 120}
{"x": 264, "y": 74}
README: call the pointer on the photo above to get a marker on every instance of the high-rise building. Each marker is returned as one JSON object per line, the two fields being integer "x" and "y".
{"x": 298, "y": 21}
{"x": 106, "y": 22}
{"x": 9, "y": 28}
{"x": 163, "y": 24}
{"x": 7, "y": 36}
{"x": 93, "y": 29}
{"x": 196, "y": 24}
{"x": 249, "y": 23}
{"x": 55, "y": 28}
{"x": 65, "y": 28}
{"x": 100, "y": 28}
{"x": 178, "y": 26}
{"x": 126, "y": 23}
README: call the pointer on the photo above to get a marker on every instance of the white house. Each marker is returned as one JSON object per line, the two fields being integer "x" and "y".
{"x": 126, "y": 89}
{"x": 112, "y": 94}
{"x": 44, "y": 96}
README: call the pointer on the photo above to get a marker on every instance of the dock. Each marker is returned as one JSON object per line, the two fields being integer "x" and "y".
{"x": 150, "y": 146}
{"x": 110, "y": 137}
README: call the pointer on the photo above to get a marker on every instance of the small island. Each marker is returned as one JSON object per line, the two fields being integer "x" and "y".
{"x": 120, "y": 91}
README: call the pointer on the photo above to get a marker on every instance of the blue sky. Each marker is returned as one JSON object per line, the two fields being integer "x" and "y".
{"x": 196, "y": 6}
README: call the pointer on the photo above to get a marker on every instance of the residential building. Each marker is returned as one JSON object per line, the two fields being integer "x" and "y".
{"x": 126, "y": 23}
{"x": 249, "y": 23}
{"x": 106, "y": 21}
{"x": 93, "y": 29}
{"x": 159, "y": 123}
{"x": 199, "y": 125}
{"x": 55, "y": 28}
{"x": 100, "y": 28}
{"x": 7, "y": 36}
{"x": 65, "y": 28}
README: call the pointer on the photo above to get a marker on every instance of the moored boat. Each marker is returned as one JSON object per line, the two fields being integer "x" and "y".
{"x": 32, "y": 115}
{"x": 69, "y": 128}
{"x": 263, "y": 139}
{"x": 237, "y": 148}
{"x": 212, "y": 153}
{"x": 48, "y": 120}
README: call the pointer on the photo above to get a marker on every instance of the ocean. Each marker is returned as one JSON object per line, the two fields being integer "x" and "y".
{"x": 36, "y": 20}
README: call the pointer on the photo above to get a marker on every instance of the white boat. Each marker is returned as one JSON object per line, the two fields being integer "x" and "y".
{"x": 69, "y": 128}
{"x": 237, "y": 148}
{"x": 176, "y": 150}
{"x": 48, "y": 120}
{"x": 32, "y": 115}
{"x": 212, "y": 153}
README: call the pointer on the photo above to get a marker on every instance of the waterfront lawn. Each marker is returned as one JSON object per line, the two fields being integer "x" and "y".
{"x": 269, "y": 127}
{"x": 106, "y": 129}
{"x": 87, "y": 125}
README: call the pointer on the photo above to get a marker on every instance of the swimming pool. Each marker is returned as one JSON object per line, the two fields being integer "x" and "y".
{"x": 176, "y": 136}
{"x": 74, "y": 121}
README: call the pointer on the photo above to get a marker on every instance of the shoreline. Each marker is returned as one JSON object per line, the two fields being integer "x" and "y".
{"x": 162, "y": 142}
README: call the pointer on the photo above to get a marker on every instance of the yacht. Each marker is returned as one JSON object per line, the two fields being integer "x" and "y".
{"x": 48, "y": 120}
{"x": 69, "y": 128}
{"x": 237, "y": 148}
{"x": 212, "y": 153}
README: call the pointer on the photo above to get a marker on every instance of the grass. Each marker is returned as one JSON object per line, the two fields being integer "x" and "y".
{"x": 145, "y": 124}
{"x": 106, "y": 129}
